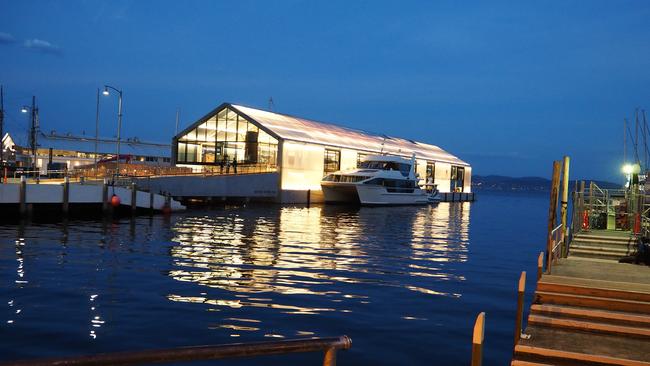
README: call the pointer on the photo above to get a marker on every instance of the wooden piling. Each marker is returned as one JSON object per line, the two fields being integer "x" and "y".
{"x": 22, "y": 207}
{"x": 520, "y": 306}
{"x": 540, "y": 266}
{"x": 105, "y": 196}
{"x": 65, "y": 207}
{"x": 151, "y": 203}
{"x": 477, "y": 340}
{"x": 134, "y": 196}
{"x": 330, "y": 357}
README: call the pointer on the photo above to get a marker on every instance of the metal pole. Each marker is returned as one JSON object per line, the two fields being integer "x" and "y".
{"x": 178, "y": 111}
{"x": 119, "y": 128}
{"x": 96, "y": 131}
{"x": 565, "y": 199}
{"x": 33, "y": 135}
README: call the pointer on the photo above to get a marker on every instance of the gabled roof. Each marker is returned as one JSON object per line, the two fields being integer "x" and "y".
{"x": 303, "y": 130}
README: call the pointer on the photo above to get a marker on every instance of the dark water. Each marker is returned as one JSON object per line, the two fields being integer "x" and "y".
{"x": 405, "y": 283}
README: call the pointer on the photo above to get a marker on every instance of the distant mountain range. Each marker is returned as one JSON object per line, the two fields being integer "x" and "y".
{"x": 503, "y": 183}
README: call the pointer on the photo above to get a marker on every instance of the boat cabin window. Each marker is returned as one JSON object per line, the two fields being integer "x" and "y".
{"x": 394, "y": 185}
{"x": 387, "y": 165}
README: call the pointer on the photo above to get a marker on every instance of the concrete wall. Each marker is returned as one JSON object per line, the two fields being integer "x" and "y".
{"x": 245, "y": 185}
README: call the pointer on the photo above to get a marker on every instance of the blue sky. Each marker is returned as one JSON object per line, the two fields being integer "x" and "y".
{"x": 507, "y": 86}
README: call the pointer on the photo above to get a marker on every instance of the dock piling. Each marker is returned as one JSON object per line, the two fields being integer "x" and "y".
{"x": 520, "y": 306}
{"x": 477, "y": 340}
{"x": 65, "y": 207}
{"x": 105, "y": 196}
{"x": 134, "y": 196}
{"x": 23, "y": 196}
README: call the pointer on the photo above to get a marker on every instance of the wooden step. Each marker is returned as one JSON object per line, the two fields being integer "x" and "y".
{"x": 597, "y": 247}
{"x": 604, "y": 292}
{"x": 589, "y": 326}
{"x": 583, "y": 358}
{"x": 528, "y": 363}
{"x": 600, "y": 238}
{"x": 611, "y": 245}
{"x": 597, "y": 315}
{"x": 578, "y": 252}
{"x": 542, "y": 297}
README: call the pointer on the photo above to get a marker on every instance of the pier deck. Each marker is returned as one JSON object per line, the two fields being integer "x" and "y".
{"x": 591, "y": 310}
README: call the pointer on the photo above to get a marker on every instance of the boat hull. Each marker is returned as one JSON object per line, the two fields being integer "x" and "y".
{"x": 379, "y": 196}
{"x": 371, "y": 195}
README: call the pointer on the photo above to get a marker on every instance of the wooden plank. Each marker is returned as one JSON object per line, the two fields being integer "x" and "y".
{"x": 596, "y": 283}
{"x": 589, "y": 326}
{"x": 593, "y": 291}
{"x": 577, "y": 357}
{"x": 528, "y": 363}
{"x": 602, "y": 315}
{"x": 593, "y": 302}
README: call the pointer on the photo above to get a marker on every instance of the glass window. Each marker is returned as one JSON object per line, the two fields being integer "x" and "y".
{"x": 180, "y": 154}
{"x": 332, "y": 160}
{"x": 242, "y": 129}
{"x": 231, "y": 126}
{"x": 457, "y": 178}
{"x": 191, "y": 153}
{"x": 360, "y": 158}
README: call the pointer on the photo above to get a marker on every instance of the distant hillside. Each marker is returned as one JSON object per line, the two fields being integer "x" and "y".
{"x": 502, "y": 183}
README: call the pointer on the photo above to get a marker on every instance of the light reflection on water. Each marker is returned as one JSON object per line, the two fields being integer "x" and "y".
{"x": 401, "y": 281}
{"x": 311, "y": 251}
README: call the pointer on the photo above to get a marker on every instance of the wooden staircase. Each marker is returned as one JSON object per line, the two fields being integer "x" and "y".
{"x": 588, "y": 320}
{"x": 602, "y": 246}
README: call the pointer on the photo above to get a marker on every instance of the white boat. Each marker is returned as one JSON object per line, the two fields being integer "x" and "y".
{"x": 379, "y": 180}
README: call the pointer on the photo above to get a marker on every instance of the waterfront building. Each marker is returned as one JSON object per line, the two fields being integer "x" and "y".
{"x": 73, "y": 151}
{"x": 301, "y": 151}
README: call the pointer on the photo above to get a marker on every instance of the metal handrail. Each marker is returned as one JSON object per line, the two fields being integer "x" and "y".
{"x": 201, "y": 353}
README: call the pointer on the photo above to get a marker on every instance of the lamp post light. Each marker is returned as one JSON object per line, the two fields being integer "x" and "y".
{"x": 119, "y": 121}
{"x": 32, "y": 131}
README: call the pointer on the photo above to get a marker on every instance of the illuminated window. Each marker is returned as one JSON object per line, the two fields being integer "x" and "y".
{"x": 457, "y": 178}
{"x": 332, "y": 160}
{"x": 227, "y": 135}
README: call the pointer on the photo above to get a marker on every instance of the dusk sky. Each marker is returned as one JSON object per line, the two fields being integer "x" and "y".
{"x": 506, "y": 86}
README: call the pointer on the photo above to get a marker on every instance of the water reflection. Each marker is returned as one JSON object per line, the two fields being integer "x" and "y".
{"x": 332, "y": 253}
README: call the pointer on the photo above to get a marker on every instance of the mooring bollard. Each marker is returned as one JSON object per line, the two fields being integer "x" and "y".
{"x": 151, "y": 196}
{"x": 65, "y": 207}
{"x": 22, "y": 196}
{"x": 520, "y": 306}
{"x": 134, "y": 196}
{"x": 477, "y": 340}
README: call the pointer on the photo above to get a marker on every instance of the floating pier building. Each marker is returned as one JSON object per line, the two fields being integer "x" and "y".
{"x": 293, "y": 154}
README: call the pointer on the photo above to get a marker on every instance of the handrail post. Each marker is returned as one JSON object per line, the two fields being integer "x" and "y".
{"x": 330, "y": 357}
{"x": 540, "y": 266}
{"x": 552, "y": 212}
{"x": 520, "y": 306}
{"x": 477, "y": 340}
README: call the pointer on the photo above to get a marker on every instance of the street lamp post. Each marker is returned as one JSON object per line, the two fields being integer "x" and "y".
{"x": 119, "y": 122}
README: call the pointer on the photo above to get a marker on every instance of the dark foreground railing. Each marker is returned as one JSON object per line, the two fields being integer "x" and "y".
{"x": 201, "y": 353}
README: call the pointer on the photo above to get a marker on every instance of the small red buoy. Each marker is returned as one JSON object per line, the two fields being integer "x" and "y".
{"x": 115, "y": 201}
{"x": 166, "y": 210}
